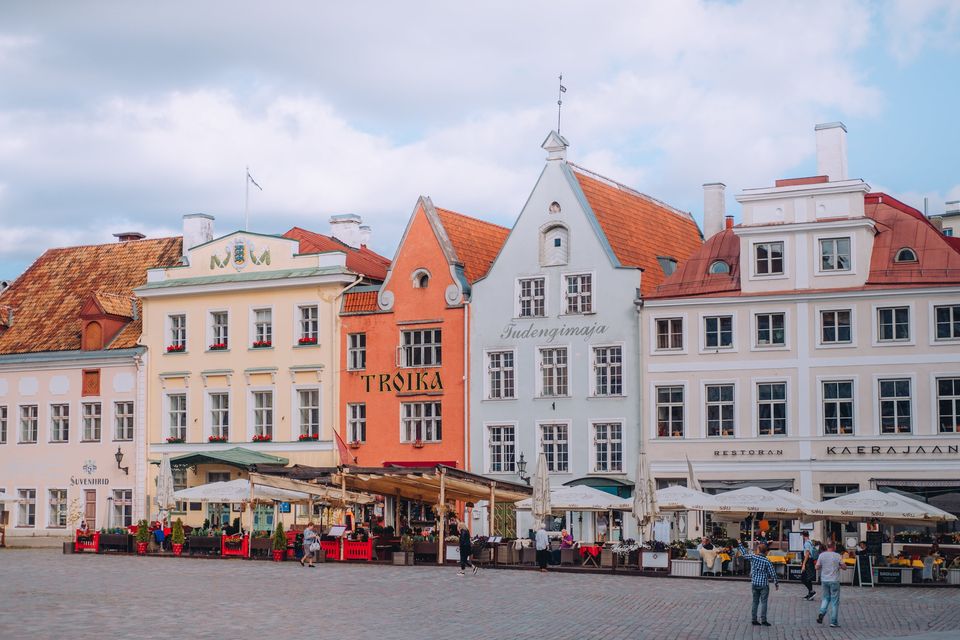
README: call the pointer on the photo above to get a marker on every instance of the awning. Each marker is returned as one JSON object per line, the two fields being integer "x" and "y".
{"x": 731, "y": 485}
{"x": 238, "y": 491}
{"x": 615, "y": 486}
{"x": 915, "y": 483}
{"x": 235, "y": 457}
{"x": 581, "y": 498}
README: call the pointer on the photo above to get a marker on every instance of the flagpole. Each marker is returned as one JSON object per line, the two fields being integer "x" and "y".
{"x": 246, "y": 202}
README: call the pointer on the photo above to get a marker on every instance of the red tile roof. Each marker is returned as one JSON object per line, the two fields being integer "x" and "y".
{"x": 476, "y": 242}
{"x": 362, "y": 261}
{"x": 48, "y": 298}
{"x": 693, "y": 276}
{"x": 360, "y": 302}
{"x": 639, "y": 228}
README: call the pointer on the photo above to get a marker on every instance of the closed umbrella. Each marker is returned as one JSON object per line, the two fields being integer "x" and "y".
{"x": 540, "y": 505}
{"x": 645, "y": 508}
{"x": 165, "y": 500}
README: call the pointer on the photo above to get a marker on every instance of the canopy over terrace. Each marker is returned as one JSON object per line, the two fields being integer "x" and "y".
{"x": 581, "y": 498}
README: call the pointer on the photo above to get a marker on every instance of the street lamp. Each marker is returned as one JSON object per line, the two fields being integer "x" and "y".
{"x": 522, "y": 469}
{"x": 118, "y": 456}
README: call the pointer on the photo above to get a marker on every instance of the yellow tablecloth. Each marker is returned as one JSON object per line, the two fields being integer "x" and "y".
{"x": 777, "y": 559}
{"x": 850, "y": 561}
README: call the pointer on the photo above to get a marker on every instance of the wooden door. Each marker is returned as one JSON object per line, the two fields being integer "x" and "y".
{"x": 90, "y": 507}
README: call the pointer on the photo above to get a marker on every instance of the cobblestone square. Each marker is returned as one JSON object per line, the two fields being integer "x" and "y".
{"x": 44, "y": 594}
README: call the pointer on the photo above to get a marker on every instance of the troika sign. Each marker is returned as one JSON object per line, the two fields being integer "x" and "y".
{"x": 513, "y": 331}
{"x": 403, "y": 382}
{"x": 893, "y": 451}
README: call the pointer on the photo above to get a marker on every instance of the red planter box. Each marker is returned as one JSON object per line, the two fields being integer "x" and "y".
{"x": 90, "y": 544}
{"x": 178, "y": 549}
{"x": 241, "y": 551}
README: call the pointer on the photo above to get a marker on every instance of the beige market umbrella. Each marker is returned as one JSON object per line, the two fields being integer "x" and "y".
{"x": 540, "y": 503}
{"x": 679, "y": 498}
{"x": 165, "y": 499}
{"x": 645, "y": 508}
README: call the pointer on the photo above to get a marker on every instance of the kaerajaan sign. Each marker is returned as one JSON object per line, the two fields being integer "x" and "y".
{"x": 403, "y": 382}
{"x": 514, "y": 332}
{"x": 893, "y": 451}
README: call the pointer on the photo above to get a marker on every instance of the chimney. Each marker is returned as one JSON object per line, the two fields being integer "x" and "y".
{"x": 832, "y": 151}
{"x": 951, "y": 207}
{"x": 714, "y": 208}
{"x": 197, "y": 229}
{"x": 127, "y": 236}
{"x": 365, "y": 232}
{"x": 729, "y": 222}
{"x": 346, "y": 228}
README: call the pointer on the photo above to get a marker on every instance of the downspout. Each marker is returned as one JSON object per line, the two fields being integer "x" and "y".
{"x": 638, "y": 306}
{"x": 335, "y": 341}
{"x": 466, "y": 386}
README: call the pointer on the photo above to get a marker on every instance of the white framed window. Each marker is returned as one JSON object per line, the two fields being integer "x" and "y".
{"x": 57, "y": 513}
{"x": 177, "y": 416}
{"x": 838, "y": 411}
{"x": 554, "y": 442}
{"x": 308, "y": 407}
{"x": 835, "y": 254}
{"x": 219, "y": 330}
{"x": 357, "y": 422}
{"x": 356, "y": 351}
{"x": 27, "y": 508}
{"x": 579, "y": 293}
{"x": 553, "y": 371}
{"x": 420, "y": 348}
{"x": 607, "y": 447}
{"x": 948, "y": 405}
{"x": 947, "y": 322}
{"x": 893, "y": 324}
{"x": 59, "y": 423}
{"x": 608, "y": 370}
{"x": 219, "y": 414}
{"x": 669, "y": 334}
{"x": 718, "y": 332}
{"x": 177, "y": 332}
{"x": 500, "y": 375}
{"x": 896, "y": 406}
{"x": 721, "y": 410}
{"x": 3, "y": 424}
{"x": 771, "y": 329}
{"x": 420, "y": 421}
{"x": 501, "y": 439}
{"x": 123, "y": 420}
{"x": 772, "y": 408}
{"x": 554, "y": 245}
{"x": 309, "y": 324}
{"x": 768, "y": 258}
{"x": 92, "y": 421}
{"x": 28, "y": 423}
{"x": 531, "y": 297}
{"x": 179, "y": 482}
{"x": 263, "y": 413}
{"x": 836, "y": 326}
{"x": 263, "y": 327}
{"x": 123, "y": 507}
{"x": 669, "y": 411}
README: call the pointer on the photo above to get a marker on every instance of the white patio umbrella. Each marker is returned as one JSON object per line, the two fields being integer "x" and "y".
{"x": 678, "y": 498}
{"x": 237, "y": 491}
{"x": 645, "y": 508}
{"x": 540, "y": 506}
{"x": 754, "y": 499}
{"x": 580, "y": 498}
{"x": 165, "y": 501}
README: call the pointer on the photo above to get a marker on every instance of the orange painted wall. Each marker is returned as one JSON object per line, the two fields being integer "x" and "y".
{"x": 414, "y": 308}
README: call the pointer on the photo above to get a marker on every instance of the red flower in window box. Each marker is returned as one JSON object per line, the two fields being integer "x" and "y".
{"x": 176, "y": 348}
{"x": 354, "y": 444}
{"x": 218, "y": 346}
{"x": 260, "y": 344}
{"x": 307, "y": 341}
{"x": 262, "y": 437}
{"x": 175, "y": 440}
{"x": 217, "y": 439}
{"x": 307, "y": 437}
{"x": 418, "y": 443}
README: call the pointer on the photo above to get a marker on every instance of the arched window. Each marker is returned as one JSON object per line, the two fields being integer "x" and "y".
{"x": 554, "y": 246}
{"x": 719, "y": 266}
{"x": 420, "y": 278}
{"x": 92, "y": 336}
{"x": 554, "y": 207}
{"x": 906, "y": 255}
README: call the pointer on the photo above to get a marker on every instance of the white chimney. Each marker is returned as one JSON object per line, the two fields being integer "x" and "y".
{"x": 346, "y": 228}
{"x": 832, "y": 151}
{"x": 714, "y": 208}
{"x": 197, "y": 229}
{"x": 952, "y": 207}
{"x": 365, "y": 232}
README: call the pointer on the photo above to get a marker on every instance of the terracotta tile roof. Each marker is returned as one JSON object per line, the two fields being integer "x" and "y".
{"x": 476, "y": 242}
{"x": 639, "y": 228}
{"x": 362, "y": 261}
{"x": 115, "y": 305}
{"x": 693, "y": 276}
{"x": 48, "y": 297}
{"x": 360, "y": 302}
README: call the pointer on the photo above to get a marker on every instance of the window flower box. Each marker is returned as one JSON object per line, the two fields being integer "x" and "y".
{"x": 218, "y": 346}
{"x": 262, "y": 344}
{"x": 176, "y": 348}
{"x": 308, "y": 437}
{"x": 307, "y": 341}
{"x": 418, "y": 444}
{"x": 217, "y": 439}
{"x": 354, "y": 444}
{"x": 176, "y": 440}
{"x": 262, "y": 437}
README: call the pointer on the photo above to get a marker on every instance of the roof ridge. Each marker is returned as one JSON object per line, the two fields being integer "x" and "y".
{"x": 112, "y": 244}
{"x": 630, "y": 190}
{"x": 474, "y": 218}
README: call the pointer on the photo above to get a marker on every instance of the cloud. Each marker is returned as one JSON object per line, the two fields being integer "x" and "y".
{"x": 918, "y": 24}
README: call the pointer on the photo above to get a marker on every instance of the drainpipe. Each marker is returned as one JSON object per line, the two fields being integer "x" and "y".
{"x": 466, "y": 388}
{"x": 335, "y": 341}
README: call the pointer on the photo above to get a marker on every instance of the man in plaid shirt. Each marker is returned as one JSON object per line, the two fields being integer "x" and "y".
{"x": 761, "y": 573}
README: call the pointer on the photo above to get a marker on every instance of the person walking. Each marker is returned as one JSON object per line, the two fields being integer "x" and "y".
{"x": 543, "y": 547}
{"x": 761, "y": 573}
{"x": 808, "y": 571}
{"x": 311, "y": 545}
{"x": 466, "y": 550}
{"x": 829, "y": 564}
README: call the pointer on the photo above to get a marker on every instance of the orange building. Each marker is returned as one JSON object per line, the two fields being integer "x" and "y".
{"x": 403, "y": 373}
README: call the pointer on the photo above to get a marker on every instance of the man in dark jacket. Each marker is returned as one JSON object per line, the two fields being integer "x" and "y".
{"x": 466, "y": 548}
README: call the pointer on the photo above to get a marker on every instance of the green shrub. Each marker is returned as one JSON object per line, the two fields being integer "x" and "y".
{"x": 176, "y": 536}
{"x": 279, "y": 538}
{"x": 143, "y": 531}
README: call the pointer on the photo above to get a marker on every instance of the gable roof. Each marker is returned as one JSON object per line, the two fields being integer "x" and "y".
{"x": 360, "y": 301}
{"x": 362, "y": 261}
{"x": 48, "y": 298}
{"x": 476, "y": 242}
{"x": 637, "y": 227}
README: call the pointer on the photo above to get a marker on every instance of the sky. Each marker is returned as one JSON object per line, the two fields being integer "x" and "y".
{"x": 120, "y": 116}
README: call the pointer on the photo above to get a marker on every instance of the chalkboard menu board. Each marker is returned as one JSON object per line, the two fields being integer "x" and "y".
{"x": 889, "y": 576}
{"x": 793, "y": 572}
{"x": 875, "y": 543}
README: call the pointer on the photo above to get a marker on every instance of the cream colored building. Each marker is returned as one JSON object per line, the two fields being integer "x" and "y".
{"x": 813, "y": 347}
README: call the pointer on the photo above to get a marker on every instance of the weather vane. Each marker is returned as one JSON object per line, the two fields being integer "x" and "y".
{"x": 560, "y": 93}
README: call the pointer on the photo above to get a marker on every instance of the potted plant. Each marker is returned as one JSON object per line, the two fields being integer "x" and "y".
{"x": 218, "y": 346}
{"x": 655, "y": 555}
{"x": 175, "y": 440}
{"x": 176, "y": 348}
{"x": 354, "y": 444}
{"x": 262, "y": 437}
{"x": 143, "y": 537}
{"x": 418, "y": 443}
{"x": 306, "y": 340}
{"x": 308, "y": 437}
{"x": 260, "y": 344}
{"x": 405, "y": 555}
{"x": 279, "y": 543}
{"x": 177, "y": 538}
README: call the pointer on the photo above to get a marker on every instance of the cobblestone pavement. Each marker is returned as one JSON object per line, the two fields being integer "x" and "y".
{"x": 44, "y": 594}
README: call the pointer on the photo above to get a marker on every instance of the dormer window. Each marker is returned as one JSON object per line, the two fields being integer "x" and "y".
{"x": 906, "y": 254}
{"x": 719, "y": 266}
{"x": 92, "y": 336}
{"x": 554, "y": 246}
{"x": 421, "y": 278}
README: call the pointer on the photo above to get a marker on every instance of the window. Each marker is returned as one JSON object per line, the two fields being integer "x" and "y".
{"x": 770, "y": 330}
{"x": 502, "y": 448}
{"x": 309, "y": 324}
{"x": 421, "y": 279}
{"x": 3, "y": 424}
{"x": 122, "y": 507}
{"x": 357, "y": 422}
{"x": 123, "y": 420}
{"x": 772, "y": 409}
{"x": 309, "y": 405}
{"x": 720, "y": 410}
{"x": 608, "y": 371}
{"x": 28, "y": 423}
{"x": 27, "y": 510}
{"x": 835, "y": 254}
{"x": 177, "y": 416}
{"x": 356, "y": 351}
{"x": 668, "y": 264}
{"x": 179, "y": 483}
{"x": 608, "y": 447}
{"x": 830, "y": 491}
{"x": 57, "y": 514}
{"x": 220, "y": 415}
{"x": 670, "y": 412}
{"x": 59, "y": 423}
{"x": 554, "y": 247}
{"x": 178, "y": 332}
{"x": 553, "y": 439}
{"x": 262, "y": 327}
{"x": 838, "y": 408}
{"x": 669, "y": 333}
{"x": 769, "y": 258}
{"x": 553, "y": 371}
{"x": 219, "y": 330}
{"x": 906, "y": 255}
{"x": 948, "y": 404}
{"x": 947, "y": 319}
{"x": 500, "y": 372}
{"x": 531, "y": 297}
{"x": 263, "y": 413}
{"x": 719, "y": 266}
{"x": 421, "y": 422}
{"x": 835, "y": 327}
{"x": 895, "y": 409}
{"x": 579, "y": 293}
{"x": 893, "y": 324}
{"x": 92, "y": 420}
{"x": 718, "y": 332}
{"x": 421, "y": 348}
